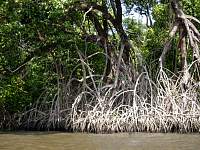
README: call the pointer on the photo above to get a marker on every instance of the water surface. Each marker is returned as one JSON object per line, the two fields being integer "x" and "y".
{"x": 84, "y": 141}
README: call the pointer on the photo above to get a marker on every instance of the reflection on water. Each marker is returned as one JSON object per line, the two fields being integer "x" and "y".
{"x": 78, "y": 141}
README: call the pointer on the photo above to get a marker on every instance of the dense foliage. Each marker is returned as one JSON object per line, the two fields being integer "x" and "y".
{"x": 47, "y": 46}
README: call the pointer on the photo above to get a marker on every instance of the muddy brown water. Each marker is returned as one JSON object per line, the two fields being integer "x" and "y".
{"x": 84, "y": 141}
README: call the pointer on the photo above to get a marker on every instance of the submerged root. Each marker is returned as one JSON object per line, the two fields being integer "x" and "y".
{"x": 160, "y": 106}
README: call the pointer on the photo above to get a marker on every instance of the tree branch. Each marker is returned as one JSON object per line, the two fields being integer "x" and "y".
{"x": 119, "y": 11}
{"x": 167, "y": 44}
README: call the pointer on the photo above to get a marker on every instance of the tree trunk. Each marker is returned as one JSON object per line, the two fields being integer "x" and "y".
{"x": 183, "y": 50}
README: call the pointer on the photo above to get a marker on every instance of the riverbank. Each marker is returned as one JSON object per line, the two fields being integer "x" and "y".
{"x": 141, "y": 106}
